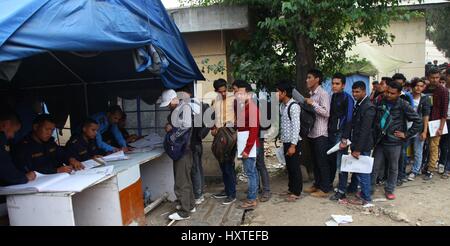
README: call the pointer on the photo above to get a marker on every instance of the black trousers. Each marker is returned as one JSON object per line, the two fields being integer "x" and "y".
{"x": 320, "y": 163}
{"x": 295, "y": 184}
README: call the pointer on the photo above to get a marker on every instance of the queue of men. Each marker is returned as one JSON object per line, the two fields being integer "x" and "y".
{"x": 383, "y": 125}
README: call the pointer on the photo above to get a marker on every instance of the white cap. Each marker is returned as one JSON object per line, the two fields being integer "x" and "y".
{"x": 166, "y": 97}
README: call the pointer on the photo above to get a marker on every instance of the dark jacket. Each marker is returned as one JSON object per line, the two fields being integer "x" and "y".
{"x": 399, "y": 113}
{"x": 424, "y": 108}
{"x": 9, "y": 174}
{"x": 362, "y": 126}
{"x": 341, "y": 111}
{"x": 81, "y": 149}
{"x": 45, "y": 158}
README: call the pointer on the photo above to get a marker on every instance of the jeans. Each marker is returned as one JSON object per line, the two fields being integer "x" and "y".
{"x": 403, "y": 160}
{"x": 418, "y": 152}
{"x": 391, "y": 154}
{"x": 295, "y": 183}
{"x": 253, "y": 178}
{"x": 261, "y": 166}
{"x": 229, "y": 178}
{"x": 335, "y": 158}
{"x": 366, "y": 187}
{"x": 198, "y": 179}
{"x": 320, "y": 163}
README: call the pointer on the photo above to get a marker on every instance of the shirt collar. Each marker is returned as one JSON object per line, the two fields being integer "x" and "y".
{"x": 315, "y": 91}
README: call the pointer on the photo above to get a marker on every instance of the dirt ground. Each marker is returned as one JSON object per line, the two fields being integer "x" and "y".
{"x": 418, "y": 203}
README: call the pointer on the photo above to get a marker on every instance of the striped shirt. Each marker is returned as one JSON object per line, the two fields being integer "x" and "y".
{"x": 290, "y": 128}
{"x": 321, "y": 105}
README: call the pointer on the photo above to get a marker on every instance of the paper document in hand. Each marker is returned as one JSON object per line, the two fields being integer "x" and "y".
{"x": 352, "y": 165}
{"x": 242, "y": 142}
{"x": 336, "y": 147}
{"x": 434, "y": 125}
{"x": 120, "y": 155}
{"x": 37, "y": 185}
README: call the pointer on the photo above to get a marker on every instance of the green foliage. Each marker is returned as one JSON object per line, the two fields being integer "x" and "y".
{"x": 438, "y": 28}
{"x": 332, "y": 27}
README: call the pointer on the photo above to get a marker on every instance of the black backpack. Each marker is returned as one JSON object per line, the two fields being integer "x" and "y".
{"x": 203, "y": 131}
{"x": 307, "y": 118}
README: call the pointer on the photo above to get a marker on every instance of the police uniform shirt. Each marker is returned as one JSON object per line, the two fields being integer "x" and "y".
{"x": 9, "y": 174}
{"x": 81, "y": 149}
{"x": 37, "y": 156}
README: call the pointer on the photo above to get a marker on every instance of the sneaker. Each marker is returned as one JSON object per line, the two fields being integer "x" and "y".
{"x": 200, "y": 200}
{"x": 220, "y": 195}
{"x": 178, "y": 207}
{"x": 412, "y": 176}
{"x": 445, "y": 175}
{"x": 265, "y": 196}
{"x": 229, "y": 200}
{"x": 176, "y": 216}
{"x": 441, "y": 168}
{"x": 390, "y": 196}
{"x": 404, "y": 180}
{"x": 337, "y": 196}
{"x": 399, "y": 182}
{"x": 428, "y": 176}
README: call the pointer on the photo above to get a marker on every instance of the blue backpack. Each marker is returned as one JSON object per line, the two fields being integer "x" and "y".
{"x": 174, "y": 146}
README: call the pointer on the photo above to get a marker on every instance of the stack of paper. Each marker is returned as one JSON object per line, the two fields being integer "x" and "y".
{"x": 117, "y": 156}
{"x": 152, "y": 140}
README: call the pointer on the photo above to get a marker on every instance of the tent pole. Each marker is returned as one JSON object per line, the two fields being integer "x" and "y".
{"x": 86, "y": 105}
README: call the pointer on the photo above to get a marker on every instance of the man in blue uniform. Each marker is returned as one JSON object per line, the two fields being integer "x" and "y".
{"x": 39, "y": 152}
{"x": 107, "y": 122}
{"x": 9, "y": 174}
{"x": 83, "y": 146}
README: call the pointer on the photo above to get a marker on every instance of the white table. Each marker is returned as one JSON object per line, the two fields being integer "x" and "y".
{"x": 114, "y": 200}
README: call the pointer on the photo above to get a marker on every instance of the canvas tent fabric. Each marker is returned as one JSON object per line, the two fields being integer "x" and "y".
{"x": 383, "y": 63}
{"x": 31, "y": 27}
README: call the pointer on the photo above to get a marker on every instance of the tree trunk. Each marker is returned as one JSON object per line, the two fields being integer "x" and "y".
{"x": 305, "y": 60}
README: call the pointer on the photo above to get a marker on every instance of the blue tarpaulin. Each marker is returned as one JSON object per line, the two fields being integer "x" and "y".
{"x": 30, "y": 27}
{"x": 350, "y": 80}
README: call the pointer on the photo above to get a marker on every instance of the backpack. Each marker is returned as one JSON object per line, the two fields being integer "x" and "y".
{"x": 307, "y": 118}
{"x": 203, "y": 131}
{"x": 224, "y": 143}
{"x": 174, "y": 146}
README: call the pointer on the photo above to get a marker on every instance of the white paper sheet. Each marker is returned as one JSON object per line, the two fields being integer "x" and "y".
{"x": 362, "y": 165}
{"x": 280, "y": 155}
{"x": 80, "y": 180}
{"x": 434, "y": 125}
{"x": 41, "y": 181}
{"x": 242, "y": 142}
{"x": 120, "y": 155}
{"x": 336, "y": 147}
{"x": 342, "y": 219}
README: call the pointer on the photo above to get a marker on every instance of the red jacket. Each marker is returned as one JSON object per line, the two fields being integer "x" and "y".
{"x": 249, "y": 121}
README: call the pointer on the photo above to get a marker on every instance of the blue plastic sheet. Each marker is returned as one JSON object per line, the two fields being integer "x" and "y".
{"x": 30, "y": 27}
